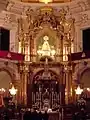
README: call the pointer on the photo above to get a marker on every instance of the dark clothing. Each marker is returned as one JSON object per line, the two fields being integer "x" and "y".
{"x": 45, "y": 116}
{"x": 34, "y": 115}
{"x": 6, "y": 118}
{"x": 6, "y": 114}
{"x": 83, "y": 115}
{"x": 27, "y": 115}
{"x": 40, "y": 116}
{"x": 76, "y": 116}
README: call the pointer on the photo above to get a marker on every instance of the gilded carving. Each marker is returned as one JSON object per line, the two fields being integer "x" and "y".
{"x": 82, "y": 5}
{"x": 84, "y": 18}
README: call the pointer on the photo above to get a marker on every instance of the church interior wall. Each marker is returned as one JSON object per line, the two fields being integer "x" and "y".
{"x": 80, "y": 76}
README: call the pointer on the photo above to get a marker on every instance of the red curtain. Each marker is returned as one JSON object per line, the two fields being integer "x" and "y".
{"x": 11, "y": 55}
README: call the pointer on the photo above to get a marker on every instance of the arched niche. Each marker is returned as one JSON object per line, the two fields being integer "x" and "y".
{"x": 53, "y": 39}
{"x": 85, "y": 78}
{"x": 82, "y": 75}
{"x": 47, "y": 83}
{"x": 5, "y": 79}
{"x": 8, "y": 75}
{"x": 49, "y": 32}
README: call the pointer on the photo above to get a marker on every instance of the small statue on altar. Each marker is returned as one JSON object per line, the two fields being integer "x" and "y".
{"x": 46, "y": 102}
{"x": 46, "y": 90}
{"x": 46, "y": 94}
{"x": 46, "y": 74}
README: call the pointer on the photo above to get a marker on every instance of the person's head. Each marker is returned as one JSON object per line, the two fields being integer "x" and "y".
{"x": 82, "y": 98}
{"x": 45, "y": 108}
{"x": 32, "y": 110}
{"x": 82, "y": 109}
{"x": 29, "y": 109}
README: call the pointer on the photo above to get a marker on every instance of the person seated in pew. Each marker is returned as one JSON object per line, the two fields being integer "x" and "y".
{"x": 27, "y": 114}
{"x": 45, "y": 116}
{"x": 40, "y": 115}
{"x": 34, "y": 114}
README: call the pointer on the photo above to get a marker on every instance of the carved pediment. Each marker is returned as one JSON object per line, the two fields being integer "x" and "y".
{"x": 45, "y": 75}
{"x": 45, "y": 16}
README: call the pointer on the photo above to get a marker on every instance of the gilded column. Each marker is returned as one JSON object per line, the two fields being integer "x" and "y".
{"x": 29, "y": 87}
{"x": 61, "y": 51}
{"x": 67, "y": 86}
{"x": 62, "y": 86}
{"x": 20, "y": 36}
{"x": 22, "y": 80}
{"x": 73, "y": 84}
{"x": 70, "y": 84}
{"x": 24, "y": 88}
{"x": 68, "y": 89}
{"x": 19, "y": 86}
{"x": 25, "y": 84}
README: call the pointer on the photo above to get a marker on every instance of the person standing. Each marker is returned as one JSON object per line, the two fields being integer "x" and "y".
{"x": 40, "y": 116}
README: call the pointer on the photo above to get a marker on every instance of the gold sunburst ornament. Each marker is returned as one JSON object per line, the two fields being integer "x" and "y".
{"x": 45, "y": 1}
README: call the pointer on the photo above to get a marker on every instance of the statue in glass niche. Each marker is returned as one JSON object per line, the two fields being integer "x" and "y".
{"x": 46, "y": 49}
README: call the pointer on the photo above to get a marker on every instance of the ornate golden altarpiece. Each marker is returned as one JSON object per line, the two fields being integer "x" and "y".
{"x": 45, "y": 33}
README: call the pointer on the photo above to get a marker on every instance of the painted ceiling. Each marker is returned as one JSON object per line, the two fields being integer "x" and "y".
{"x": 37, "y": 1}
